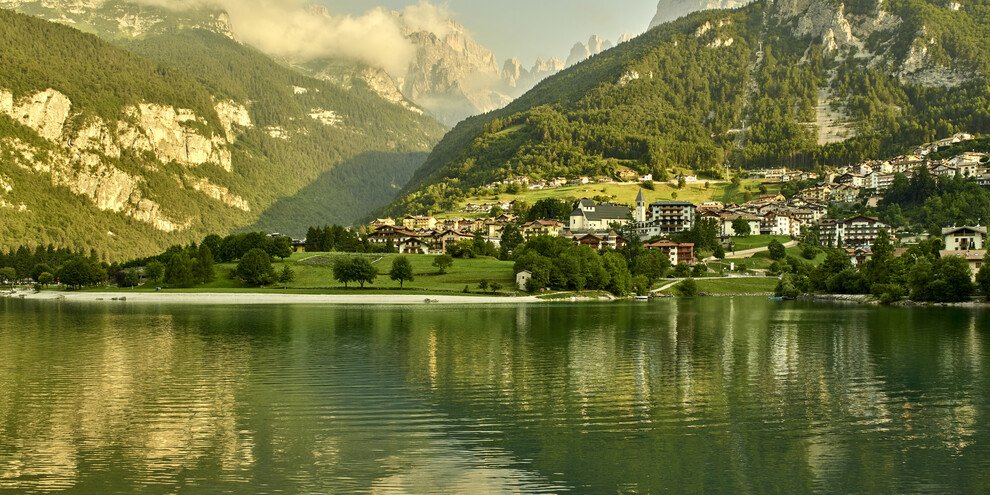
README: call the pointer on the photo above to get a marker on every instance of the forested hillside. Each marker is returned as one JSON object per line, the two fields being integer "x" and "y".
{"x": 103, "y": 149}
{"x": 802, "y": 85}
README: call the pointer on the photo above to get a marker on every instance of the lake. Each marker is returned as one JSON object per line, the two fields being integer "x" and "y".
{"x": 706, "y": 395}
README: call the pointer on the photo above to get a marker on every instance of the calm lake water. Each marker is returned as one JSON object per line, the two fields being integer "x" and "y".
{"x": 719, "y": 395}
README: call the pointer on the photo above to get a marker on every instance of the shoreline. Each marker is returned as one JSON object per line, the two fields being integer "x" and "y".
{"x": 213, "y": 298}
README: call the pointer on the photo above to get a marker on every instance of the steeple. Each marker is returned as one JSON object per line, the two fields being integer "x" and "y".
{"x": 639, "y": 214}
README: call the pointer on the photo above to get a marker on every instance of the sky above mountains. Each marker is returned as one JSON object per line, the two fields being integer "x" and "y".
{"x": 527, "y": 29}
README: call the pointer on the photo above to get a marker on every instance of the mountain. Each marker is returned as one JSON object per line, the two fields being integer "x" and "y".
{"x": 186, "y": 133}
{"x": 799, "y": 83}
{"x": 671, "y": 10}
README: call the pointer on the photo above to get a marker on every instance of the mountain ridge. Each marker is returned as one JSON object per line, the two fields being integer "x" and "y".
{"x": 750, "y": 87}
{"x": 124, "y": 155}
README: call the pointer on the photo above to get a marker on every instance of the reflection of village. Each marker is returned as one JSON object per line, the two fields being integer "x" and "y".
{"x": 678, "y": 382}
{"x": 372, "y": 400}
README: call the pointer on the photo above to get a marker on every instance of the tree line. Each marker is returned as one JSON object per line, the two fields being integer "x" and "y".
{"x": 920, "y": 274}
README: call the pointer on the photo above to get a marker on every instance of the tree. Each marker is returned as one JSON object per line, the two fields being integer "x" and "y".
{"x": 511, "y": 238}
{"x": 549, "y": 208}
{"x": 39, "y": 269}
{"x": 688, "y": 287}
{"x": 46, "y": 279}
{"x": 363, "y": 270}
{"x": 80, "y": 272}
{"x": 255, "y": 268}
{"x": 495, "y": 287}
{"x": 983, "y": 277}
{"x": 204, "y": 270}
{"x": 443, "y": 262}
{"x": 401, "y": 271}
{"x": 681, "y": 182}
{"x": 154, "y": 271}
{"x": 740, "y": 227}
{"x": 8, "y": 275}
{"x": 343, "y": 271}
{"x": 286, "y": 275}
{"x": 495, "y": 211}
{"x": 131, "y": 279}
{"x": 777, "y": 250}
{"x": 719, "y": 251}
{"x": 282, "y": 247}
{"x": 178, "y": 272}
{"x": 483, "y": 285}
{"x": 953, "y": 280}
{"x": 641, "y": 285}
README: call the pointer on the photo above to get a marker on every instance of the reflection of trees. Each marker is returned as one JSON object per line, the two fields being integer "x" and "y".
{"x": 682, "y": 395}
{"x": 774, "y": 396}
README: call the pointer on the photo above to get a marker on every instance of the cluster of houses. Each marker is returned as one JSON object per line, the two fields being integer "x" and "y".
{"x": 846, "y": 184}
{"x": 555, "y": 182}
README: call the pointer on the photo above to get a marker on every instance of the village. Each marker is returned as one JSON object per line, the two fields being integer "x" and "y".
{"x": 805, "y": 215}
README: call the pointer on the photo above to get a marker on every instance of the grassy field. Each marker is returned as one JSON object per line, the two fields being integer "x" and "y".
{"x": 625, "y": 193}
{"x": 730, "y": 286}
{"x": 314, "y": 274}
{"x": 757, "y": 241}
{"x": 798, "y": 253}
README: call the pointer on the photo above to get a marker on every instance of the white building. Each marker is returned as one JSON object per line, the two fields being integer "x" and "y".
{"x": 964, "y": 238}
{"x": 592, "y": 217}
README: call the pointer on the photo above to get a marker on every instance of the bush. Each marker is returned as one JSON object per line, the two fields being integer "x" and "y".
{"x": 688, "y": 288}
{"x": 777, "y": 250}
{"x": 443, "y": 262}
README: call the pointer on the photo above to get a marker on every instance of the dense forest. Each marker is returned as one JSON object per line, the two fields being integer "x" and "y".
{"x": 722, "y": 88}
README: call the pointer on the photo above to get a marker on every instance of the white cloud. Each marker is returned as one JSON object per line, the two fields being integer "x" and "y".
{"x": 296, "y": 30}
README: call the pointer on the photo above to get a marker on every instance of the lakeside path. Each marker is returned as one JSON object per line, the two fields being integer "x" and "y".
{"x": 249, "y": 298}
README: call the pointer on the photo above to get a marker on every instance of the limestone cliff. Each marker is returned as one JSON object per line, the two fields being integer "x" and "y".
{"x": 84, "y": 148}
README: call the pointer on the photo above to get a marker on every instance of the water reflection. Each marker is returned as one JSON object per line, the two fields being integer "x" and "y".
{"x": 708, "y": 395}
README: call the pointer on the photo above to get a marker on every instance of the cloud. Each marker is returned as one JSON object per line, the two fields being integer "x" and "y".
{"x": 299, "y": 31}
{"x": 425, "y": 16}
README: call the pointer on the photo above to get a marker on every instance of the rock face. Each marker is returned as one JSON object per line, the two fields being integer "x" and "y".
{"x": 123, "y": 18}
{"x": 670, "y": 10}
{"x": 452, "y": 76}
{"x": 839, "y": 31}
{"x": 582, "y": 51}
{"x": 79, "y": 155}
{"x": 45, "y": 112}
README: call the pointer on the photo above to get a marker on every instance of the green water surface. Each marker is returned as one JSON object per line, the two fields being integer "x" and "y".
{"x": 716, "y": 395}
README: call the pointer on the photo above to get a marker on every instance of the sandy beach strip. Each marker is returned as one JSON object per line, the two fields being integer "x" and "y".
{"x": 207, "y": 298}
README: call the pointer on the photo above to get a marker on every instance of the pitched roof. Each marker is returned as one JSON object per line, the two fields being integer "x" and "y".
{"x": 640, "y": 198}
{"x": 953, "y": 230}
{"x": 603, "y": 212}
{"x": 973, "y": 255}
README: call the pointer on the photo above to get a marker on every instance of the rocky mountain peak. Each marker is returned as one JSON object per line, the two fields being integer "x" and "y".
{"x": 670, "y": 10}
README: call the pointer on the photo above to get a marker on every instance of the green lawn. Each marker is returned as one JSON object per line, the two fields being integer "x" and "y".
{"x": 314, "y": 274}
{"x": 742, "y": 285}
{"x": 757, "y": 241}
{"x": 797, "y": 252}
{"x": 625, "y": 193}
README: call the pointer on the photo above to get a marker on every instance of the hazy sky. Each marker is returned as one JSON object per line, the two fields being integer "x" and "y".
{"x": 530, "y": 28}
